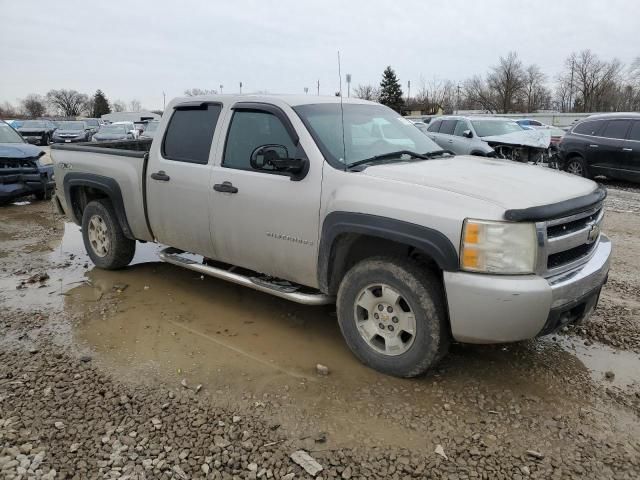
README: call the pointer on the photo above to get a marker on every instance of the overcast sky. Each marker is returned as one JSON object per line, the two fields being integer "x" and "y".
{"x": 140, "y": 48}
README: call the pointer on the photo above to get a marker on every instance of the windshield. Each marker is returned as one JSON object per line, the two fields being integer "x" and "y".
{"x": 487, "y": 128}
{"x": 72, "y": 126}
{"x": 34, "y": 124}
{"x": 92, "y": 123}
{"x": 113, "y": 129}
{"x": 151, "y": 127}
{"x": 9, "y": 135}
{"x": 369, "y": 130}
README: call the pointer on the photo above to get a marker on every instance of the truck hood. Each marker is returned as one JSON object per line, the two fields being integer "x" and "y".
{"x": 525, "y": 138}
{"x": 32, "y": 130}
{"x": 19, "y": 150}
{"x": 508, "y": 184}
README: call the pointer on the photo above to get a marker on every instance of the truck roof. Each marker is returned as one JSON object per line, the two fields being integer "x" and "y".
{"x": 291, "y": 100}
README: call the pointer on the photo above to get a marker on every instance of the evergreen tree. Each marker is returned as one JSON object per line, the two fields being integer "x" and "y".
{"x": 100, "y": 104}
{"x": 390, "y": 90}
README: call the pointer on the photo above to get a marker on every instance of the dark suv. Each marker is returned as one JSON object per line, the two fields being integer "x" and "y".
{"x": 607, "y": 144}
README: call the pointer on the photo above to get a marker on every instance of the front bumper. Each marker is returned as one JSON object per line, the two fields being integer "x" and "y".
{"x": 69, "y": 140}
{"x": 499, "y": 308}
{"x": 22, "y": 184}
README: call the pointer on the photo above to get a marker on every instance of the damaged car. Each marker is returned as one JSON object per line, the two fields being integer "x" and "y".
{"x": 491, "y": 137}
{"x": 37, "y": 131}
{"x": 24, "y": 169}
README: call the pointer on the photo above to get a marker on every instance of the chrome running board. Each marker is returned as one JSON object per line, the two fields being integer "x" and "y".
{"x": 172, "y": 256}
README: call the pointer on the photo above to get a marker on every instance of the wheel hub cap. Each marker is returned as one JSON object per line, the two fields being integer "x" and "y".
{"x": 385, "y": 319}
{"x": 98, "y": 236}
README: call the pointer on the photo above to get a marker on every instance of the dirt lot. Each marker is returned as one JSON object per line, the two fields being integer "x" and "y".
{"x": 156, "y": 372}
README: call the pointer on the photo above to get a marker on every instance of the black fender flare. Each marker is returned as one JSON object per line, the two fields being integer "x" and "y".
{"x": 427, "y": 240}
{"x": 105, "y": 184}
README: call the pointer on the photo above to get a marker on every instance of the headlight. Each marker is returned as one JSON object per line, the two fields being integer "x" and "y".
{"x": 498, "y": 247}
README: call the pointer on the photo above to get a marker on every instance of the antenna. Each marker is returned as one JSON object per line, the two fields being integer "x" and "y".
{"x": 344, "y": 146}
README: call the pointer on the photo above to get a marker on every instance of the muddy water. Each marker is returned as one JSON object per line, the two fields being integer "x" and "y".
{"x": 154, "y": 322}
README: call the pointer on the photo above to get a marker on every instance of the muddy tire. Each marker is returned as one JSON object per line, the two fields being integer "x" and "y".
{"x": 392, "y": 315}
{"x": 577, "y": 166}
{"x": 103, "y": 237}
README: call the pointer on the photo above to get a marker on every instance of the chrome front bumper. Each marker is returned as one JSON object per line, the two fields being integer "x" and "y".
{"x": 499, "y": 308}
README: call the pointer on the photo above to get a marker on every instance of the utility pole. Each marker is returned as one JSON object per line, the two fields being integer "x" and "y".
{"x": 571, "y": 85}
{"x": 408, "y": 91}
{"x": 458, "y": 99}
{"x": 348, "y": 84}
{"x": 318, "y": 87}
{"x": 221, "y": 89}
{"x": 240, "y": 88}
{"x": 164, "y": 101}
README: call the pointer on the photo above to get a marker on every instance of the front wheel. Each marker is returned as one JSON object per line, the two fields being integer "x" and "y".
{"x": 103, "y": 237}
{"x": 45, "y": 140}
{"x": 576, "y": 166}
{"x": 392, "y": 315}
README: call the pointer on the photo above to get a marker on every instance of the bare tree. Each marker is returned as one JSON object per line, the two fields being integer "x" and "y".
{"x": 135, "y": 105}
{"x": 366, "y": 92}
{"x": 193, "y": 92}
{"x": 34, "y": 105}
{"x": 436, "y": 95}
{"x": 506, "y": 81}
{"x": 7, "y": 110}
{"x": 594, "y": 81}
{"x": 479, "y": 96}
{"x": 119, "y": 106}
{"x": 69, "y": 103}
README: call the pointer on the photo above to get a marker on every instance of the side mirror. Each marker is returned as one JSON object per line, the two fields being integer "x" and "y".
{"x": 276, "y": 158}
{"x": 467, "y": 134}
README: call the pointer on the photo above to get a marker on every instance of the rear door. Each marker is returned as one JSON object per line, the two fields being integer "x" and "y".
{"x": 604, "y": 153}
{"x": 446, "y": 137}
{"x": 262, "y": 220}
{"x": 631, "y": 149}
{"x": 178, "y": 178}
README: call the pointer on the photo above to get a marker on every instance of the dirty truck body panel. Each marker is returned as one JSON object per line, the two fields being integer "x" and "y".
{"x": 205, "y": 196}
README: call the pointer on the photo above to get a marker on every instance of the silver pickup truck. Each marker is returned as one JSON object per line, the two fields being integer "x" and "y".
{"x": 318, "y": 202}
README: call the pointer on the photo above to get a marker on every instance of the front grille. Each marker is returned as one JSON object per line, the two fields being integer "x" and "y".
{"x": 568, "y": 256}
{"x": 567, "y": 243}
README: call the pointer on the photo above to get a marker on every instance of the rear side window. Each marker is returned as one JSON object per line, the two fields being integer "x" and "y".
{"x": 634, "y": 134}
{"x": 448, "y": 126}
{"x": 189, "y": 134}
{"x": 435, "y": 126}
{"x": 616, "y": 129}
{"x": 249, "y": 130}
{"x": 588, "y": 128}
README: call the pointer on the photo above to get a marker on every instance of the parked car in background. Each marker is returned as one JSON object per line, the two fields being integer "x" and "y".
{"x": 490, "y": 136}
{"x": 130, "y": 126}
{"x": 109, "y": 133}
{"x": 37, "y": 131}
{"x": 527, "y": 122}
{"x": 14, "y": 123}
{"x": 151, "y": 129}
{"x": 24, "y": 169}
{"x": 607, "y": 144}
{"x": 93, "y": 123}
{"x": 73, "y": 131}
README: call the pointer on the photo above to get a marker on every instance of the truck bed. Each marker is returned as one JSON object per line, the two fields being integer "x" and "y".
{"x": 132, "y": 148}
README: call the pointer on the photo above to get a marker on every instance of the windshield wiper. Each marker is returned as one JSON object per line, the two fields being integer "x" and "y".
{"x": 437, "y": 153}
{"x": 387, "y": 156}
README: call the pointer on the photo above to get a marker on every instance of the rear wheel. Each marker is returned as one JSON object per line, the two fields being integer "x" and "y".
{"x": 576, "y": 166}
{"x": 392, "y": 315}
{"x": 103, "y": 237}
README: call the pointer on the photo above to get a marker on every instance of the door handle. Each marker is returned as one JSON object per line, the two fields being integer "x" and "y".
{"x": 225, "y": 187}
{"x": 593, "y": 145}
{"x": 627, "y": 149}
{"x": 161, "y": 176}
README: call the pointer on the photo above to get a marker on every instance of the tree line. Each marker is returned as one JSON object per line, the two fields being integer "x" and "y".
{"x": 586, "y": 84}
{"x": 66, "y": 103}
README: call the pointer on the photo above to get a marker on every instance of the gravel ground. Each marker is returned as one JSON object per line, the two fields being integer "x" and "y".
{"x": 91, "y": 380}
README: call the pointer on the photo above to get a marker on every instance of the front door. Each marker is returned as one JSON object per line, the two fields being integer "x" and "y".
{"x": 604, "y": 152}
{"x": 178, "y": 179}
{"x": 631, "y": 149}
{"x": 262, "y": 220}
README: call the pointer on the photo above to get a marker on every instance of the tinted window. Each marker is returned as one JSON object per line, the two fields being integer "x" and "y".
{"x": 448, "y": 126}
{"x": 616, "y": 129}
{"x": 461, "y": 126}
{"x": 587, "y": 128}
{"x": 634, "y": 134}
{"x": 189, "y": 134}
{"x": 435, "y": 126}
{"x": 249, "y": 130}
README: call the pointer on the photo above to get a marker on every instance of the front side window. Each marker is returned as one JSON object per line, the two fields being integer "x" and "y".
{"x": 189, "y": 134}
{"x": 249, "y": 130}
{"x": 587, "y": 128}
{"x": 634, "y": 134}
{"x": 616, "y": 129}
{"x": 461, "y": 126}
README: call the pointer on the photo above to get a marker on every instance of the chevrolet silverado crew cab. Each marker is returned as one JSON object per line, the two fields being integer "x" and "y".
{"x": 319, "y": 202}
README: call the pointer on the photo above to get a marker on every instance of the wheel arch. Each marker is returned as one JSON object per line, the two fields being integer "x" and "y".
{"x": 350, "y": 237}
{"x": 82, "y": 188}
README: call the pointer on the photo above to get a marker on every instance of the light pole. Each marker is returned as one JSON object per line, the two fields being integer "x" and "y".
{"x": 221, "y": 89}
{"x": 348, "y": 84}
{"x": 408, "y": 91}
{"x": 240, "y": 88}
